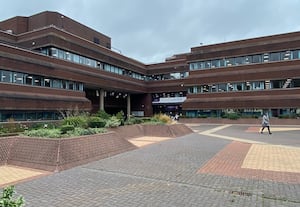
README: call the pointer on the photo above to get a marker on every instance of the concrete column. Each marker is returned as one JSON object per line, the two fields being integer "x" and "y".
{"x": 101, "y": 99}
{"x": 128, "y": 106}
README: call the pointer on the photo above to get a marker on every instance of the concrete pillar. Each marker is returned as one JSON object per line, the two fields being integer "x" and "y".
{"x": 101, "y": 99}
{"x": 128, "y": 106}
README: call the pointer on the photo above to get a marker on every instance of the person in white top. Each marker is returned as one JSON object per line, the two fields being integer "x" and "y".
{"x": 265, "y": 123}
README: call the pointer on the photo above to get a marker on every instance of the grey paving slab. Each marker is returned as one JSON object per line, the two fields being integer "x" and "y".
{"x": 163, "y": 174}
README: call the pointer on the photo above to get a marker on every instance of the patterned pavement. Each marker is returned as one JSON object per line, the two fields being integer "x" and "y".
{"x": 218, "y": 165}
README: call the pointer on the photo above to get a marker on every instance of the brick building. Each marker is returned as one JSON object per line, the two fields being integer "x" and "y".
{"x": 50, "y": 63}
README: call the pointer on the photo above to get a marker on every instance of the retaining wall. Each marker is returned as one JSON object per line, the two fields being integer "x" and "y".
{"x": 60, "y": 154}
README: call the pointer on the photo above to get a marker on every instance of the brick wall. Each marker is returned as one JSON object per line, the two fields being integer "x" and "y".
{"x": 61, "y": 154}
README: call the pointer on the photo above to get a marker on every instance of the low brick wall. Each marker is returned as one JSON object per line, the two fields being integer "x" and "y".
{"x": 78, "y": 151}
{"x": 5, "y": 146}
{"x": 61, "y": 154}
{"x": 36, "y": 153}
{"x": 139, "y": 130}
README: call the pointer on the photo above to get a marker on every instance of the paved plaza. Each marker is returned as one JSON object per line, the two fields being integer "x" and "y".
{"x": 217, "y": 165}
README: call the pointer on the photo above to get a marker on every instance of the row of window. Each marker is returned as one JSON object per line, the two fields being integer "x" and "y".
{"x": 65, "y": 55}
{"x": 290, "y": 112}
{"x": 6, "y": 116}
{"x": 244, "y": 60}
{"x": 35, "y": 80}
{"x": 245, "y": 86}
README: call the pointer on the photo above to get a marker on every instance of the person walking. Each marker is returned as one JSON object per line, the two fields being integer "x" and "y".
{"x": 265, "y": 123}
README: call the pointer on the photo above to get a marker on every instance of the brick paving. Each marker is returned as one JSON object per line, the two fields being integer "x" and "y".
{"x": 169, "y": 173}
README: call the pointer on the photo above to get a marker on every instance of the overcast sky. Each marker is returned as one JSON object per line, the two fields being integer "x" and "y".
{"x": 152, "y": 30}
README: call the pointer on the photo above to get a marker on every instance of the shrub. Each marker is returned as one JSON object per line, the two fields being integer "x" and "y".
{"x": 12, "y": 127}
{"x": 162, "y": 118}
{"x": 96, "y": 122}
{"x": 65, "y": 128}
{"x": 113, "y": 122}
{"x": 134, "y": 120}
{"x": 51, "y": 133}
{"x": 6, "y": 200}
{"x": 121, "y": 117}
{"x": 88, "y": 131}
{"x": 76, "y": 121}
{"x": 233, "y": 116}
{"x": 102, "y": 114}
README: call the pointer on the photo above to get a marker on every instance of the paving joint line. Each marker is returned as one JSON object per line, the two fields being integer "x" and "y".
{"x": 233, "y": 191}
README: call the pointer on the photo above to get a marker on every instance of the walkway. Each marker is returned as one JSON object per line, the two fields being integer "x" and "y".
{"x": 218, "y": 165}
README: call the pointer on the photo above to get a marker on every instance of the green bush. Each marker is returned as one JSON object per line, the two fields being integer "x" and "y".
{"x": 102, "y": 114}
{"x": 51, "y": 133}
{"x": 96, "y": 122}
{"x": 76, "y": 121}
{"x": 65, "y": 128}
{"x": 88, "y": 131}
{"x": 162, "y": 118}
{"x": 113, "y": 122}
{"x": 134, "y": 120}
{"x": 6, "y": 200}
{"x": 121, "y": 117}
{"x": 233, "y": 116}
{"x": 12, "y": 127}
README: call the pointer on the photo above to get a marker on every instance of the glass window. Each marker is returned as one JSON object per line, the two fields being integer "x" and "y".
{"x": 68, "y": 56}
{"x": 230, "y": 86}
{"x": 64, "y": 84}
{"x": 275, "y": 56}
{"x": 277, "y": 83}
{"x": 28, "y": 79}
{"x": 56, "y": 83}
{"x": 47, "y": 82}
{"x": 37, "y": 81}
{"x": 256, "y": 59}
{"x": 213, "y": 88}
{"x": 53, "y": 52}
{"x": 204, "y": 88}
{"x": 61, "y": 54}
{"x": 194, "y": 66}
{"x": 81, "y": 60}
{"x": 191, "y": 90}
{"x": 257, "y": 85}
{"x": 175, "y": 75}
{"x": 296, "y": 54}
{"x": 76, "y": 58}
{"x": 207, "y": 64}
{"x": 107, "y": 67}
{"x": 286, "y": 55}
{"x": 248, "y": 60}
{"x": 93, "y": 63}
{"x": 18, "y": 78}
{"x": 222, "y": 62}
{"x": 266, "y": 57}
{"x": 222, "y": 87}
{"x": 215, "y": 63}
{"x": 6, "y": 76}
{"x": 239, "y": 60}
{"x": 229, "y": 61}
{"x": 71, "y": 85}
{"x": 248, "y": 86}
{"x": 296, "y": 83}
{"x": 238, "y": 86}
{"x": 201, "y": 65}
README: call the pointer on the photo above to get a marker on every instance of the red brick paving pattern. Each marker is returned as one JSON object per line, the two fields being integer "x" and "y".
{"x": 228, "y": 162}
